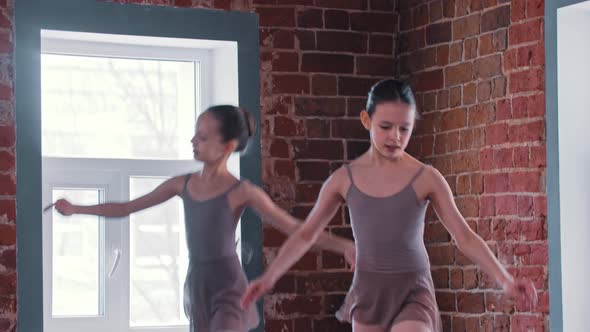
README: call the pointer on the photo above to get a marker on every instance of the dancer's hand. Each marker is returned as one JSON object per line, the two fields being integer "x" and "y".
{"x": 62, "y": 206}
{"x": 350, "y": 256}
{"x": 522, "y": 290}
{"x": 256, "y": 290}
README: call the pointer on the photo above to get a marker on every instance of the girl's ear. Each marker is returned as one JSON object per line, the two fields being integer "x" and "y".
{"x": 231, "y": 146}
{"x": 366, "y": 119}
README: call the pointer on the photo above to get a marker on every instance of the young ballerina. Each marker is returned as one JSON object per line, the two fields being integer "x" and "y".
{"x": 387, "y": 192}
{"x": 213, "y": 202}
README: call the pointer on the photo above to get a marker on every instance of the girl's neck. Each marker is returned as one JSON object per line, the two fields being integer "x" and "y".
{"x": 377, "y": 159}
{"x": 213, "y": 170}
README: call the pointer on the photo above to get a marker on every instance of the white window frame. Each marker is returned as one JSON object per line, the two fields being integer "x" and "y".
{"x": 57, "y": 44}
{"x": 84, "y": 173}
{"x": 113, "y": 175}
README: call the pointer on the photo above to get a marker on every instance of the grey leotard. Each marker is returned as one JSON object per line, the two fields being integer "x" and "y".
{"x": 392, "y": 280}
{"x": 215, "y": 280}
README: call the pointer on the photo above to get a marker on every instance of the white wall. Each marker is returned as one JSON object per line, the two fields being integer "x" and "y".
{"x": 224, "y": 61}
{"x": 225, "y": 77}
{"x": 573, "y": 57}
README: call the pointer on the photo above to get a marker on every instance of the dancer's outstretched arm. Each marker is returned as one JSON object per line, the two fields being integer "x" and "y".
{"x": 471, "y": 244}
{"x": 287, "y": 224}
{"x": 160, "y": 194}
{"x": 329, "y": 201}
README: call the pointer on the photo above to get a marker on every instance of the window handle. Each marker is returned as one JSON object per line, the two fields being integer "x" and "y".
{"x": 117, "y": 254}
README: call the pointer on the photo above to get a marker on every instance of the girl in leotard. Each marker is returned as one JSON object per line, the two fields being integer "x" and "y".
{"x": 213, "y": 202}
{"x": 387, "y": 192}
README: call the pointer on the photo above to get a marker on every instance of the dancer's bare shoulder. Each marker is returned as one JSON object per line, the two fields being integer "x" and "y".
{"x": 337, "y": 183}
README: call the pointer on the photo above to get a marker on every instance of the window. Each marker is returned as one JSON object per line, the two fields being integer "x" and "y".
{"x": 118, "y": 113}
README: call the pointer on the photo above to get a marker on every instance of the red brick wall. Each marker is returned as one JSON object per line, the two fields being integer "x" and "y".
{"x": 478, "y": 67}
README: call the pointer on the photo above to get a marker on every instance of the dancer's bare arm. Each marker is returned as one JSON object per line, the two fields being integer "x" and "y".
{"x": 471, "y": 244}
{"x": 162, "y": 193}
{"x": 287, "y": 224}
{"x": 328, "y": 202}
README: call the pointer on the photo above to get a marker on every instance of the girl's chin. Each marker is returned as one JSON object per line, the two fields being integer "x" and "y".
{"x": 394, "y": 154}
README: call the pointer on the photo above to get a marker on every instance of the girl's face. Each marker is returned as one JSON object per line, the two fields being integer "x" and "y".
{"x": 208, "y": 145}
{"x": 390, "y": 128}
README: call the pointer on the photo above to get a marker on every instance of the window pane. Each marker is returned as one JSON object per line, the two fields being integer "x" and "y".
{"x": 77, "y": 258}
{"x": 158, "y": 260}
{"x": 98, "y": 107}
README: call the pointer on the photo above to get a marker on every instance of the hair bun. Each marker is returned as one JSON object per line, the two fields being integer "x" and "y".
{"x": 250, "y": 123}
